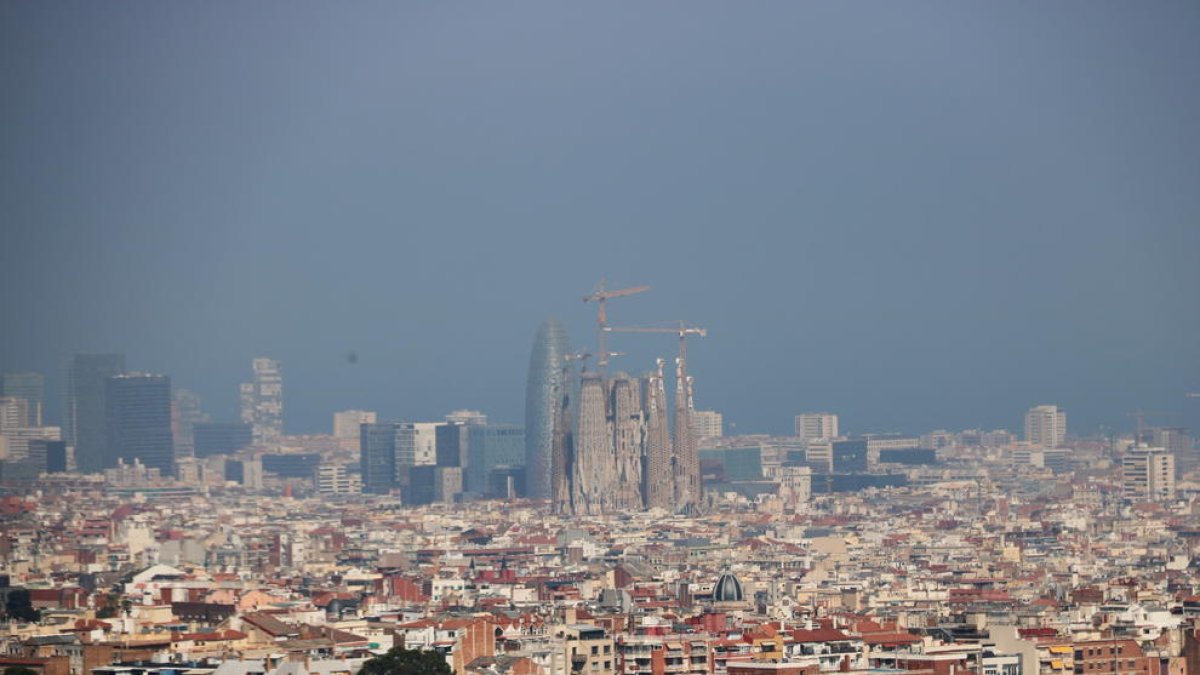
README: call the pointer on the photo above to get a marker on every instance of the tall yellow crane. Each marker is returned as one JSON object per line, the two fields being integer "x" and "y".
{"x": 600, "y": 296}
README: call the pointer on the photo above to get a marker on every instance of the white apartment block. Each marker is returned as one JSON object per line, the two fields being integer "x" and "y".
{"x": 1045, "y": 426}
{"x": 708, "y": 424}
{"x": 816, "y": 426}
{"x": 1148, "y": 475}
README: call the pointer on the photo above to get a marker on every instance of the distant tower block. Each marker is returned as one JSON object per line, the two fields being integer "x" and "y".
{"x": 707, "y": 424}
{"x": 816, "y": 426}
{"x": 262, "y": 401}
{"x": 544, "y": 389}
{"x": 1046, "y": 426}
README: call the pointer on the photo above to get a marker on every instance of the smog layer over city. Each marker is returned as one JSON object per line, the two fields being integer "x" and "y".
{"x": 535, "y": 338}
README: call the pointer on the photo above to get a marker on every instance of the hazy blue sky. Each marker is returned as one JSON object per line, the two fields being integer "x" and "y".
{"x": 916, "y": 214}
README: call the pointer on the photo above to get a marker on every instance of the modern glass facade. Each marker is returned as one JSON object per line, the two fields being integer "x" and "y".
{"x": 84, "y": 423}
{"x": 543, "y": 389}
{"x": 492, "y": 446}
{"x": 138, "y": 410}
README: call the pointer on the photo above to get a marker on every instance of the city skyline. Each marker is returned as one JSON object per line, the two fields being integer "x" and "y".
{"x": 915, "y": 228}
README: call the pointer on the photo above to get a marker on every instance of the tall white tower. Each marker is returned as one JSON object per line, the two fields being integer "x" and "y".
{"x": 1046, "y": 426}
{"x": 262, "y": 401}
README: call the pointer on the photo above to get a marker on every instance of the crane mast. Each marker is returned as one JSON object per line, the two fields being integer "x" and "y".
{"x": 601, "y": 295}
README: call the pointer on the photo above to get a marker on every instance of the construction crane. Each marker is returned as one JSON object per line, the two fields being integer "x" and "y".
{"x": 600, "y": 296}
{"x": 1140, "y": 417}
{"x": 682, "y": 331}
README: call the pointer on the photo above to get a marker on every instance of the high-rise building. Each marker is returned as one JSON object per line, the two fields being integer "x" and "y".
{"x": 488, "y": 447}
{"x": 14, "y": 413}
{"x": 346, "y": 423}
{"x": 377, "y": 448}
{"x": 545, "y": 388}
{"x": 31, "y": 387}
{"x": 186, "y": 413}
{"x": 262, "y": 400}
{"x": 816, "y": 426}
{"x": 1045, "y": 425}
{"x": 452, "y": 445}
{"x": 1148, "y": 474}
{"x": 84, "y": 418}
{"x": 49, "y": 455}
{"x": 138, "y": 413}
{"x": 387, "y": 451}
{"x": 708, "y": 424}
{"x": 221, "y": 438}
{"x": 426, "y": 443}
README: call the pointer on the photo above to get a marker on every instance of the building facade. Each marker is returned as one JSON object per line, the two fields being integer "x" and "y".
{"x": 138, "y": 412}
{"x": 816, "y": 426}
{"x": 545, "y": 386}
{"x": 1046, "y": 425}
{"x": 262, "y": 400}
{"x": 84, "y": 422}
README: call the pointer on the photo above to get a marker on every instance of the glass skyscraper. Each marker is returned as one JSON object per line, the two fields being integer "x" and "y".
{"x": 138, "y": 410}
{"x": 543, "y": 389}
{"x": 84, "y": 423}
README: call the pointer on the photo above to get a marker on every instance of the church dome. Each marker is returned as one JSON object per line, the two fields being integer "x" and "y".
{"x": 728, "y": 589}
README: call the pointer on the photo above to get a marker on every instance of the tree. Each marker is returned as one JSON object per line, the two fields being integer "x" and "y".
{"x": 401, "y": 661}
{"x": 19, "y": 607}
{"x": 19, "y": 670}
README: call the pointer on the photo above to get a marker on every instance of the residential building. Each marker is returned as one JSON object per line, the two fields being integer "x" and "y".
{"x": 1046, "y": 426}
{"x": 1148, "y": 474}
{"x": 708, "y": 424}
{"x": 816, "y": 426}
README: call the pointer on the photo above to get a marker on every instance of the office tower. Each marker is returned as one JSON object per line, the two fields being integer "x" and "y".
{"x": 708, "y": 424}
{"x": 452, "y": 444}
{"x": 1148, "y": 474}
{"x": 850, "y": 456}
{"x": 818, "y": 455}
{"x": 816, "y": 426}
{"x": 84, "y": 419}
{"x": 426, "y": 441}
{"x": 262, "y": 400}
{"x": 377, "y": 448}
{"x": 185, "y": 415}
{"x": 387, "y": 450}
{"x": 15, "y": 441}
{"x": 31, "y": 387}
{"x": 138, "y": 413}
{"x": 1045, "y": 425}
{"x": 545, "y": 388}
{"x": 221, "y": 438}
{"x": 489, "y": 447}
{"x": 659, "y": 479}
{"x": 593, "y": 479}
{"x": 346, "y": 423}
{"x": 50, "y": 455}
{"x": 628, "y": 430}
{"x": 14, "y": 413}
